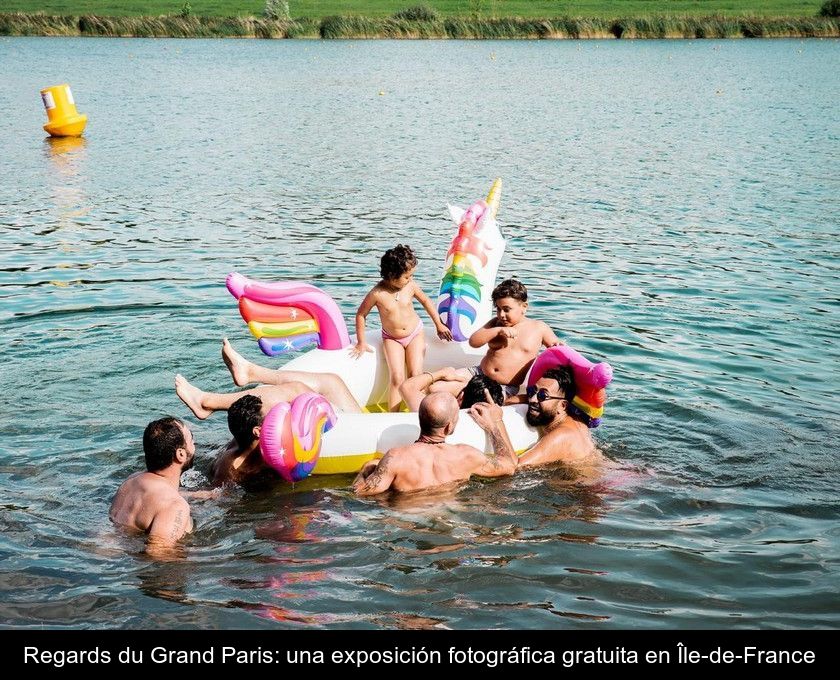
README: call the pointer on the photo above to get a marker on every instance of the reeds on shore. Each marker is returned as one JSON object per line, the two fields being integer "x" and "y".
{"x": 423, "y": 27}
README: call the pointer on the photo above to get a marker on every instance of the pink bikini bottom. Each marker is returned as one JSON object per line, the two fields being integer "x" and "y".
{"x": 407, "y": 339}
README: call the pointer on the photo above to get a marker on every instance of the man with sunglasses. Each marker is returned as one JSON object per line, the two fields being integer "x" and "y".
{"x": 563, "y": 438}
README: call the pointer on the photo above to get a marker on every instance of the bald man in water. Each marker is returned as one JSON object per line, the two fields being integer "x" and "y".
{"x": 430, "y": 461}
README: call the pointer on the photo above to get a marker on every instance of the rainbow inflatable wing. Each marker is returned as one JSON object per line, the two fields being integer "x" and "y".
{"x": 289, "y": 316}
{"x": 290, "y": 436}
{"x": 472, "y": 261}
{"x": 591, "y": 380}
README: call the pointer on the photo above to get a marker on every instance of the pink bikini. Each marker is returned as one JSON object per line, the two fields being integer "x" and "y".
{"x": 407, "y": 339}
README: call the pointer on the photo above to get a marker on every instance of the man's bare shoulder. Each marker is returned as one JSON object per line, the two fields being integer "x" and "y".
{"x": 401, "y": 453}
{"x": 145, "y": 482}
{"x": 465, "y": 451}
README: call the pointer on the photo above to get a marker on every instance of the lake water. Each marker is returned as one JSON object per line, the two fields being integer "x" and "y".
{"x": 672, "y": 206}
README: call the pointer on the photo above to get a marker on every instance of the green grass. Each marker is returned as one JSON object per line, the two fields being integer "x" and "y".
{"x": 359, "y": 27}
{"x": 464, "y": 19}
{"x": 448, "y": 8}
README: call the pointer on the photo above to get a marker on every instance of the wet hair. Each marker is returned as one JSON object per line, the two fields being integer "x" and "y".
{"x": 396, "y": 262}
{"x": 161, "y": 439}
{"x": 474, "y": 390}
{"x": 565, "y": 379}
{"x": 243, "y": 416}
{"x": 511, "y": 288}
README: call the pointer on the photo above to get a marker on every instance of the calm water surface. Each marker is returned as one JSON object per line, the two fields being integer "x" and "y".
{"x": 673, "y": 207}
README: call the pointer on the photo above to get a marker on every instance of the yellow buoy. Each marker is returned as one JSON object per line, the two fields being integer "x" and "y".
{"x": 64, "y": 120}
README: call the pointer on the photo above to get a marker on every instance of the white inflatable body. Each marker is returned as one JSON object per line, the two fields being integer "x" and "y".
{"x": 359, "y": 437}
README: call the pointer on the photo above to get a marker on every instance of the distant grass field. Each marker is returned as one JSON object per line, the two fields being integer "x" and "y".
{"x": 384, "y": 8}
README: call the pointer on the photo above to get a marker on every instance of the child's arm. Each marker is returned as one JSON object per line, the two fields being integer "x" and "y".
{"x": 364, "y": 309}
{"x": 443, "y": 332}
{"x": 549, "y": 339}
{"x": 489, "y": 331}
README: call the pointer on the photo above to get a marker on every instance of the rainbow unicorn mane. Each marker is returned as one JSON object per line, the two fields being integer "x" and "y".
{"x": 471, "y": 264}
{"x": 286, "y": 317}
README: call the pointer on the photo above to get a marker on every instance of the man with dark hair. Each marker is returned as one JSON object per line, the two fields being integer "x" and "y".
{"x": 430, "y": 461}
{"x": 471, "y": 388}
{"x": 242, "y": 462}
{"x": 149, "y": 501}
{"x": 563, "y": 437}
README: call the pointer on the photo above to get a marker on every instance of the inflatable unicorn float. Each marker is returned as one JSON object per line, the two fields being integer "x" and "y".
{"x": 308, "y": 437}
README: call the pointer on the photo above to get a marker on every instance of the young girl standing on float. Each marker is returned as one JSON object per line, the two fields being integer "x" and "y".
{"x": 402, "y": 329}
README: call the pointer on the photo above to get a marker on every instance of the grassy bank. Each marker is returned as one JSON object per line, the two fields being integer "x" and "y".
{"x": 358, "y": 27}
{"x": 488, "y": 9}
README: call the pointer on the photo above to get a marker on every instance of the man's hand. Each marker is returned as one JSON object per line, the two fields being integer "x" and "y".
{"x": 488, "y": 415}
{"x": 367, "y": 468}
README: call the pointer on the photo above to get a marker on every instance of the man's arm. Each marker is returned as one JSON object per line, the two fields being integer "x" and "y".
{"x": 503, "y": 461}
{"x": 551, "y": 448}
{"x": 374, "y": 480}
{"x": 414, "y": 389}
{"x": 170, "y": 524}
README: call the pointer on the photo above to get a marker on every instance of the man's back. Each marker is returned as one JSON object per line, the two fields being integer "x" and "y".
{"x": 248, "y": 469}
{"x": 421, "y": 465}
{"x": 149, "y": 503}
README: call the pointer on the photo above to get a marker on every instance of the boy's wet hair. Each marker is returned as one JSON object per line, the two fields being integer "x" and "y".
{"x": 161, "y": 439}
{"x": 511, "y": 288}
{"x": 474, "y": 391}
{"x": 243, "y": 416}
{"x": 396, "y": 262}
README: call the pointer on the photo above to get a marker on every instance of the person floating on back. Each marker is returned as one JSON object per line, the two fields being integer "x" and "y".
{"x": 402, "y": 330}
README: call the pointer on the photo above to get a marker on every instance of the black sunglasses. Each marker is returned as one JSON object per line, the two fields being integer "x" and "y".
{"x": 542, "y": 394}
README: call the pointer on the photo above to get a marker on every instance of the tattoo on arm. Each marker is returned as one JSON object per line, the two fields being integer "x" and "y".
{"x": 501, "y": 449}
{"x": 374, "y": 479}
{"x": 177, "y": 525}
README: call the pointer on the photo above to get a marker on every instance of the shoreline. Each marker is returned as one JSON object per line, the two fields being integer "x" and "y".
{"x": 664, "y": 27}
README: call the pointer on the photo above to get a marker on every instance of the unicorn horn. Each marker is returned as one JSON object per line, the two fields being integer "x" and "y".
{"x": 494, "y": 198}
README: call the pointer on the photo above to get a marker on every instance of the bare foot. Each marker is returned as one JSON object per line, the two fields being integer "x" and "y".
{"x": 236, "y": 363}
{"x": 191, "y": 396}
